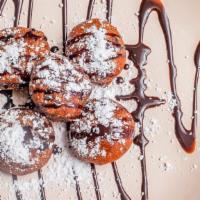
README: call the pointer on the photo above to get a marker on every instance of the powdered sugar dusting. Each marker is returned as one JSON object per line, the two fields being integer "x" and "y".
{"x": 13, "y": 146}
{"x": 10, "y": 54}
{"x": 59, "y": 75}
{"x": 59, "y": 171}
{"x": 98, "y": 50}
{"x": 99, "y": 114}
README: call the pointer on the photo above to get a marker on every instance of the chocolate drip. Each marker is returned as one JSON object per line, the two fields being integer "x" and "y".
{"x": 185, "y": 137}
{"x": 78, "y": 191}
{"x": 123, "y": 194}
{"x": 17, "y": 191}
{"x": 138, "y": 54}
{"x": 41, "y": 181}
{"x": 2, "y": 6}
{"x": 18, "y": 9}
{"x": 126, "y": 66}
{"x": 54, "y": 49}
{"x": 119, "y": 80}
{"x": 109, "y": 5}
{"x": 30, "y": 13}
{"x": 64, "y": 24}
{"x": 90, "y": 9}
{"x": 96, "y": 184}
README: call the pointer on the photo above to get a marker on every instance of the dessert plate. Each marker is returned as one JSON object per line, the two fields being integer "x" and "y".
{"x": 159, "y": 86}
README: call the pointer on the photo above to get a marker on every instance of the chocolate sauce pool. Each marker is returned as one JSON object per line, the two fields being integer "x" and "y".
{"x": 138, "y": 54}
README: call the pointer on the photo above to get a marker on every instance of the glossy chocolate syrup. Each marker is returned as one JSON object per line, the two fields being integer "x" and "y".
{"x": 123, "y": 194}
{"x": 185, "y": 137}
{"x": 138, "y": 54}
{"x": 90, "y": 9}
{"x": 126, "y": 66}
{"x": 96, "y": 184}
{"x": 78, "y": 190}
{"x": 18, "y": 9}
{"x": 109, "y": 5}
{"x": 119, "y": 80}
{"x": 30, "y": 13}
{"x": 2, "y": 5}
{"x": 64, "y": 24}
{"x": 42, "y": 190}
{"x": 18, "y": 194}
{"x": 54, "y": 49}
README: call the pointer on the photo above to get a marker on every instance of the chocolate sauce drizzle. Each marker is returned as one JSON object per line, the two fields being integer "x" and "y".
{"x": 78, "y": 190}
{"x": 41, "y": 181}
{"x": 109, "y": 6}
{"x": 64, "y": 24}
{"x": 138, "y": 54}
{"x": 30, "y": 13}
{"x": 123, "y": 194}
{"x": 17, "y": 191}
{"x": 2, "y": 5}
{"x": 96, "y": 184}
{"x": 185, "y": 137}
{"x": 18, "y": 9}
{"x": 90, "y": 9}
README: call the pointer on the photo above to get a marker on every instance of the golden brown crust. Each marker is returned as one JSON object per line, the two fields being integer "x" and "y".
{"x": 20, "y": 49}
{"x": 114, "y": 152}
{"x": 59, "y": 89}
{"x": 103, "y": 133}
{"x": 77, "y": 47}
